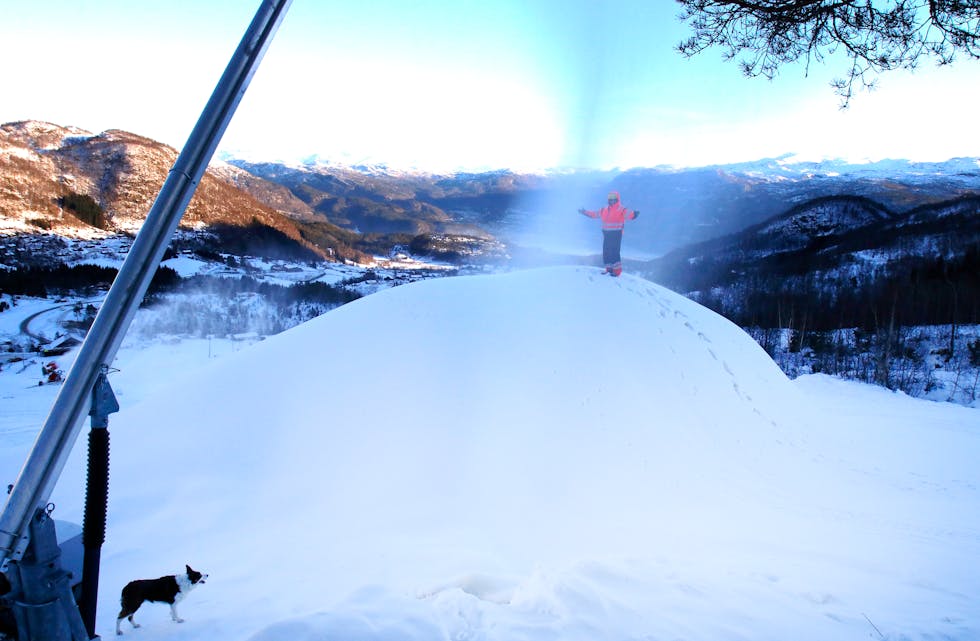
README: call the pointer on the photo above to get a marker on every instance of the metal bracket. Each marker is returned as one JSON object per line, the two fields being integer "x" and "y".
{"x": 41, "y": 597}
{"x": 103, "y": 400}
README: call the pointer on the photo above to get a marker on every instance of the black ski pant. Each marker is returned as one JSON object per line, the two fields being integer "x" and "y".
{"x": 612, "y": 240}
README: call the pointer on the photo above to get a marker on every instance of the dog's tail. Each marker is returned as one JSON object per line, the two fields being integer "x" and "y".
{"x": 127, "y": 604}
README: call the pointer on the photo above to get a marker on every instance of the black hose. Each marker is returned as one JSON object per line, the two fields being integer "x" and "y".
{"x": 93, "y": 528}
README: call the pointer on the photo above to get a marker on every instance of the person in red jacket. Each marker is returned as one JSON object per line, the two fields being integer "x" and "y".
{"x": 614, "y": 217}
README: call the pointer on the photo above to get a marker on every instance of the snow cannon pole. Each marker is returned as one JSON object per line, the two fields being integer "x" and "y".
{"x": 46, "y": 461}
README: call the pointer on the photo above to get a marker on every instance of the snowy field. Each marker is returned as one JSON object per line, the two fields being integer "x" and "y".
{"x": 540, "y": 455}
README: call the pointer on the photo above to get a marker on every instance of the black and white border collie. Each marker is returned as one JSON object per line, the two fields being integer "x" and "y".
{"x": 167, "y": 589}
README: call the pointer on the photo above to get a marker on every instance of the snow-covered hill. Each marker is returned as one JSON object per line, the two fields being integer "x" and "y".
{"x": 550, "y": 454}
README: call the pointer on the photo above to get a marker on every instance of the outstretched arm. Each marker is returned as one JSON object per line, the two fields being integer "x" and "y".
{"x": 590, "y": 214}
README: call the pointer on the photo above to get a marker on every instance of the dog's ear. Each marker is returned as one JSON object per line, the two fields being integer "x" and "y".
{"x": 189, "y": 570}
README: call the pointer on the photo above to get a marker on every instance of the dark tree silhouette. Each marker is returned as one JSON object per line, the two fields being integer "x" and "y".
{"x": 874, "y": 35}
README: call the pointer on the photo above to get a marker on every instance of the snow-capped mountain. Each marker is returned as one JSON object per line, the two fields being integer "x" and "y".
{"x": 791, "y": 166}
{"x": 829, "y": 231}
{"x": 680, "y": 206}
{"x": 74, "y": 183}
{"x": 120, "y": 173}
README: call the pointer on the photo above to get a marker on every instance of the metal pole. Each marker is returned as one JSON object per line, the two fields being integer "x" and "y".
{"x": 59, "y": 432}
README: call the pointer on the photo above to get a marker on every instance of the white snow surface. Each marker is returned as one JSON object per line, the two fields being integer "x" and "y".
{"x": 537, "y": 455}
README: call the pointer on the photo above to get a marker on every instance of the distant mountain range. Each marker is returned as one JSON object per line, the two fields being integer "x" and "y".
{"x": 680, "y": 206}
{"x": 62, "y": 178}
{"x": 73, "y": 182}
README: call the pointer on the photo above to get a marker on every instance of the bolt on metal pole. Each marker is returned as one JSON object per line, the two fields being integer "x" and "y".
{"x": 59, "y": 432}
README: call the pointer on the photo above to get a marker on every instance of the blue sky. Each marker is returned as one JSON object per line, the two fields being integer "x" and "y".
{"x": 439, "y": 85}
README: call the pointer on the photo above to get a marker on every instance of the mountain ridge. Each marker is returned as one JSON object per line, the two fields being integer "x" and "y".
{"x": 683, "y": 205}
{"x": 328, "y": 211}
{"x": 43, "y": 166}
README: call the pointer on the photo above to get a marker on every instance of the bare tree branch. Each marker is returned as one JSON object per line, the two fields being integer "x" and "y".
{"x": 876, "y": 35}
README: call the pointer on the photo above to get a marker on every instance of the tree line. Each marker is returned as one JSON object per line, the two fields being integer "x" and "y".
{"x": 89, "y": 280}
{"x": 61, "y": 279}
{"x": 912, "y": 290}
{"x": 871, "y": 325}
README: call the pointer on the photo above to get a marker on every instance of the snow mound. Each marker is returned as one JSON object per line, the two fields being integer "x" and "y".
{"x": 543, "y": 454}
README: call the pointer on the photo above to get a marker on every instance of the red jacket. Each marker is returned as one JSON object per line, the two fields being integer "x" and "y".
{"x": 613, "y": 216}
